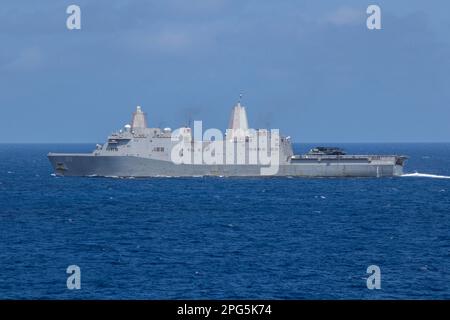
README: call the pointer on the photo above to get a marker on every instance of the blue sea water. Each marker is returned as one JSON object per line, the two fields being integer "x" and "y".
{"x": 217, "y": 238}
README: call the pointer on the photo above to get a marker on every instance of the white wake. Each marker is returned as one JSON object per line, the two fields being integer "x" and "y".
{"x": 425, "y": 175}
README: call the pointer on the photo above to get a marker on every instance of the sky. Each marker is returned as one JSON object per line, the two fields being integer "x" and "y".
{"x": 309, "y": 68}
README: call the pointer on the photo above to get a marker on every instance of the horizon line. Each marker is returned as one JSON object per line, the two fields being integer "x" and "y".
{"x": 304, "y": 142}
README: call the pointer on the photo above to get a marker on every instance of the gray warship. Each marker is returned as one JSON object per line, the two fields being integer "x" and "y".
{"x": 137, "y": 150}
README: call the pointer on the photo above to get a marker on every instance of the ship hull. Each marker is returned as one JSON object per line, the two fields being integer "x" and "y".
{"x": 132, "y": 166}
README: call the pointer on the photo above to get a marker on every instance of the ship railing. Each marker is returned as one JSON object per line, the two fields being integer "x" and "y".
{"x": 345, "y": 157}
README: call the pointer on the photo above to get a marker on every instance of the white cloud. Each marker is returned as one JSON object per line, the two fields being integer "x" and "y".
{"x": 173, "y": 40}
{"x": 164, "y": 40}
{"x": 346, "y": 16}
{"x": 177, "y": 38}
{"x": 27, "y": 59}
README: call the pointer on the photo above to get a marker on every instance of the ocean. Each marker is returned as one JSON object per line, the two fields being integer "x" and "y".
{"x": 225, "y": 238}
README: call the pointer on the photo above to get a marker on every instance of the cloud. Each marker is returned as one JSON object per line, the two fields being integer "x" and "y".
{"x": 197, "y": 6}
{"x": 164, "y": 40}
{"x": 27, "y": 59}
{"x": 173, "y": 40}
{"x": 345, "y": 16}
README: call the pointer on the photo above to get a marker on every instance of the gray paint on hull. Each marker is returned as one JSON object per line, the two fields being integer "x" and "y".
{"x": 132, "y": 166}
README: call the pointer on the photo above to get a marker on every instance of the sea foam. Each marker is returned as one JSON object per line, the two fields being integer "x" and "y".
{"x": 425, "y": 175}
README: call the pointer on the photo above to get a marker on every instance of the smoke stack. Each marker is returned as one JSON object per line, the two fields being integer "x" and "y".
{"x": 238, "y": 126}
{"x": 139, "y": 119}
{"x": 238, "y": 119}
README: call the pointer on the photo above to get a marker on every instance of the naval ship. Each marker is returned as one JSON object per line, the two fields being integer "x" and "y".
{"x": 137, "y": 150}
